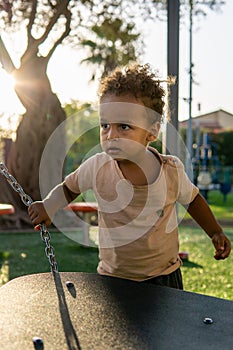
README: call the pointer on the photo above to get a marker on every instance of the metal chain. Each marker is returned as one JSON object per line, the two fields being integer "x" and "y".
{"x": 44, "y": 233}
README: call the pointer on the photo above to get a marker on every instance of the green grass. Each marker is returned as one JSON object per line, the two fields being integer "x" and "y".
{"x": 202, "y": 273}
{"x": 222, "y": 210}
{"x": 23, "y": 253}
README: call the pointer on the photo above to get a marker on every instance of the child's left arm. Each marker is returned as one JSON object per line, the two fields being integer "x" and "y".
{"x": 202, "y": 214}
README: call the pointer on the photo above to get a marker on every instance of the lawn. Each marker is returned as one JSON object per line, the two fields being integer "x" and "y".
{"x": 23, "y": 253}
{"x": 223, "y": 211}
{"x": 202, "y": 273}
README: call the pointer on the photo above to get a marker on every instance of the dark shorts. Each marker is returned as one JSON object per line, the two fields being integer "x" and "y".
{"x": 173, "y": 280}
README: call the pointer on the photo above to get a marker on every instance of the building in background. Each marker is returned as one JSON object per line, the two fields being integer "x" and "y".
{"x": 213, "y": 122}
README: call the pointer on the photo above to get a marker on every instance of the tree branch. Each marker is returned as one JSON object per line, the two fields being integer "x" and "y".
{"x": 63, "y": 36}
{"x": 61, "y": 9}
{"x": 32, "y": 17}
{"x": 33, "y": 44}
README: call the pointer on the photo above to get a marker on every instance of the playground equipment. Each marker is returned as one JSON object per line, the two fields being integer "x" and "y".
{"x": 204, "y": 179}
{"x": 205, "y": 158}
{"x": 80, "y": 311}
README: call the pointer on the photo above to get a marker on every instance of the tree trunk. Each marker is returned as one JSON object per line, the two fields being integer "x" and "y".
{"x": 43, "y": 115}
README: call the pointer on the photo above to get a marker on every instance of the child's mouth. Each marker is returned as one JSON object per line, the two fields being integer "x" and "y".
{"x": 113, "y": 150}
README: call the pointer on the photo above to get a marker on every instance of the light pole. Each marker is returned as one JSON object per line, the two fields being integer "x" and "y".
{"x": 173, "y": 8}
{"x": 189, "y": 135}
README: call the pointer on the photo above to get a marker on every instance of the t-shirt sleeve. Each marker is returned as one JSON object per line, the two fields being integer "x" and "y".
{"x": 81, "y": 179}
{"x": 187, "y": 191}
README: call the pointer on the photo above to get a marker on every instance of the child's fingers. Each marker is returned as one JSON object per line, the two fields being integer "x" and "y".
{"x": 222, "y": 246}
{"x": 223, "y": 251}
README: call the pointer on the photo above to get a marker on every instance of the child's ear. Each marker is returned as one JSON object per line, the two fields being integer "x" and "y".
{"x": 154, "y": 131}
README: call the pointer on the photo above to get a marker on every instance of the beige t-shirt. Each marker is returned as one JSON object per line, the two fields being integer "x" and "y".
{"x": 138, "y": 229}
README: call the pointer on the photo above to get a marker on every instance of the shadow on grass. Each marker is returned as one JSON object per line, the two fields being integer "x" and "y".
{"x": 191, "y": 264}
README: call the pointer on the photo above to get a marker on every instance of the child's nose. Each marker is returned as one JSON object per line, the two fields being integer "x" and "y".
{"x": 112, "y": 134}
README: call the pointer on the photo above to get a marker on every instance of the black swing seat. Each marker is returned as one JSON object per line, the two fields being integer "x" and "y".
{"x": 71, "y": 310}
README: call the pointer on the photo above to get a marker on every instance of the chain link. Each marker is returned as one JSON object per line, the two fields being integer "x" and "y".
{"x": 27, "y": 200}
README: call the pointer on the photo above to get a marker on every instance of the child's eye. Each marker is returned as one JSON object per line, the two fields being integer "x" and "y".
{"x": 104, "y": 126}
{"x": 125, "y": 127}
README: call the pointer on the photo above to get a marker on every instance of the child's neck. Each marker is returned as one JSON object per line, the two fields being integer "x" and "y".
{"x": 142, "y": 173}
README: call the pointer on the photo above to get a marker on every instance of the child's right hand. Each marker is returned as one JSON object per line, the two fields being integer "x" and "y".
{"x": 38, "y": 214}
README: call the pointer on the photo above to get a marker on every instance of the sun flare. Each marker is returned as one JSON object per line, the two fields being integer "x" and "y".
{"x": 10, "y": 106}
{"x": 9, "y": 101}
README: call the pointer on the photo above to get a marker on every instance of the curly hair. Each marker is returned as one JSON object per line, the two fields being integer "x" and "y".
{"x": 137, "y": 80}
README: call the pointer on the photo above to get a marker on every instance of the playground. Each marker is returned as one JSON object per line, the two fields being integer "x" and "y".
{"x": 103, "y": 270}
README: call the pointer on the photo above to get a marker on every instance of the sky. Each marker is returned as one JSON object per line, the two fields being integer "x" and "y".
{"x": 212, "y": 71}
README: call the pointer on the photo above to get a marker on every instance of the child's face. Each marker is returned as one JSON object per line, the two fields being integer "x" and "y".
{"x": 124, "y": 127}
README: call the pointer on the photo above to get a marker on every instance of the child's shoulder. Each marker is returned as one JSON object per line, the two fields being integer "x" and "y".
{"x": 168, "y": 159}
{"x": 171, "y": 160}
{"x": 97, "y": 160}
{"x": 97, "y": 157}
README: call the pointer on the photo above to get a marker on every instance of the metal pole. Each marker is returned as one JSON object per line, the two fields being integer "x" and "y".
{"x": 189, "y": 141}
{"x": 173, "y": 7}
